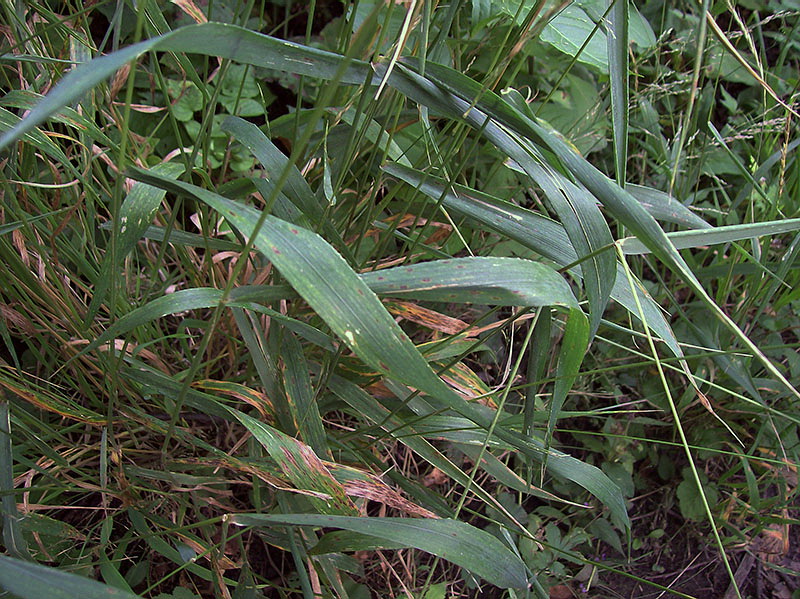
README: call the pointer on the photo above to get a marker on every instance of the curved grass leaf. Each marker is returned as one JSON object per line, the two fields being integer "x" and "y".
{"x": 493, "y": 281}
{"x": 209, "y": 39}
{"x": 300, "y": 465}
{"x": 577, "y": 210}
{"x": 536, "y": 232}
{"x": 354, "y": 312}
{"x": 619, "y": 203}
{"x": 195, "y": 299}
{"x": 27, "y": 580}
{"x": 462, "y": 544}
{"x": 9, "y": 121}
{"x": 664, "y": 207}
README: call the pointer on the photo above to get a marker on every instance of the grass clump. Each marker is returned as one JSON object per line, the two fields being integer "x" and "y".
{"x": 414, "y": 299}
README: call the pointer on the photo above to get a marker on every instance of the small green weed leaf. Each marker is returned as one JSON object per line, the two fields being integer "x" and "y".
{"x": 689, "y": 499}
{"x": 274, "y": 161}
{"x": 27, "y": 580}
{"x": 493, "y": 281}
{"x": 462, "y": 544}
{"x": 569, "y": 30}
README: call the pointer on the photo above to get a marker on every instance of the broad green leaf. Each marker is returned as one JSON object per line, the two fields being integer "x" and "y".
{"x": 27, "y": 580}
{"x": 570, "y": 29}
{"x": 462, "y": 544}
{"x": 493, "y": 281}
{"x": 569, "y": 32}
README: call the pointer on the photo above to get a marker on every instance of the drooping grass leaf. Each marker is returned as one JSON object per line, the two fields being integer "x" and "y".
{"x": 302, "y": 466}
{"x": 27, "y": 580}
{"x": 352, "y": 310}
{"x": 462, "y": 544}
{"x": 534, "y": 231}
{"x": 493, "y": 281}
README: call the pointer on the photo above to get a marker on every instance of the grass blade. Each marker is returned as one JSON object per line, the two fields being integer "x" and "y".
{"x": 692, "y": 239}
{"x": 617, "y": 38}
{"x": 480, "y": 280}
{"x": 32, "y": 581}
{"x": 471, "y": 548}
